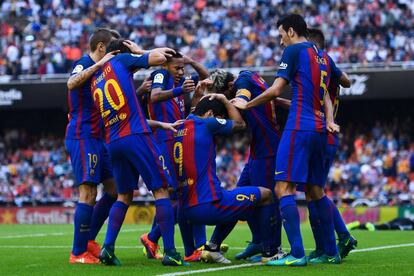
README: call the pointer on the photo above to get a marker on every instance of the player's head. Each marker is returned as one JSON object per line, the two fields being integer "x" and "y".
{"x": 316, "y": 36}
{"x": 100, "y": 39}
{"x": 291, "y": 27}
{"x": 175, "y": 66}
{"x": 223, "y": 83}
{"x": 117, "y": 45}
{"x": 210, "y": 108}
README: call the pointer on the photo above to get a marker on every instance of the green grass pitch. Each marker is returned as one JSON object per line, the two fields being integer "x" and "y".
{"x": 44, "y": 250}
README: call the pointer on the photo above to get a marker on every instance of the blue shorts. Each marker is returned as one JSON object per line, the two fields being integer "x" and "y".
{"x": 138, "y": 155}
{"x": 301, "y": 157}
{"x": 258, "y": 172}
{"x": 90, "y": 160}
{"x": 237, "y": 204}
{"x": 166, "y": 149}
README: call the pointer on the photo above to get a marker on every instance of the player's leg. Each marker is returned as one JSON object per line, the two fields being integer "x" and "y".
{"x": 317, "y": 180}
{"x": 151, "y": 165}
{"x": 315, "y": 226}
{"x": 291, "y": 166}
{"x": 79, "y": 152}
{"x": 104, "y": 204}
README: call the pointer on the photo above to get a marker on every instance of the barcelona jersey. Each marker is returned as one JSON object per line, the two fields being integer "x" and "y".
{"x": 113, "y": 91}
{"x": 84, "y": 119}
{"x": 307, "y": 70}
{"x": 194, "y": 158}
{"x": 261, "y": 119}
{"x": 333, "y": 91}
{"x": 170, "y": 110}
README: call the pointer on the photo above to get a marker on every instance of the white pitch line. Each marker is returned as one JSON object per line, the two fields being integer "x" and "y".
{"x": 247, "y": 265}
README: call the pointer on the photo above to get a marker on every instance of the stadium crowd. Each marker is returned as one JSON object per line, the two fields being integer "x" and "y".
{"x": 43, "y": 37}
{"x": 376, "y": 165}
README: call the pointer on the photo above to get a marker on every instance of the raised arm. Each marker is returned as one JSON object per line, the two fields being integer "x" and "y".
{"x": 159, "y": 95}
{"x": 198, "y": 67}
{"x": 234, "y": 114}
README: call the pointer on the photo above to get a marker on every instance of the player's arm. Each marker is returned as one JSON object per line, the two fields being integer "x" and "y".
{"x": 337, "y": 74}
{"x": 234, "y": 114}
{"x": 166, "y": 126}
{"x": 144, "y": 88}
{"x": 199, "y": 92}
{"x": 285, "y": 103}
{"x": 344, "y": 80}
{"x": 77, "y": 79}
{"x": 160, "y": 95}
{"x": 157, "y": 56}
{"x": 330, "y": 123}
{"x": 198, "y": 67}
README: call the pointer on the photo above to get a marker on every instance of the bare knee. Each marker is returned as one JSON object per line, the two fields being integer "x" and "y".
{"x": 161, "y": 193}
{"x": 284, "y": 189}
{"x": 126, "y": 198}
{"x": 266, "y": 196}
{"x": 87, "y": 194}
{"x": 110, "y": 187}
{"x": 315, "y": 192}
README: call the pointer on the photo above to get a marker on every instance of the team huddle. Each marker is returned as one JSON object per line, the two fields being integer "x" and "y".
{"x": 117, "y": 133}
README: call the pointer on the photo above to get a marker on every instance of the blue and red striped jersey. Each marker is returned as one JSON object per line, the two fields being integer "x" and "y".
{"x": 114, "y": 95}
{"x": 195, "y": 158}
{"x": 84, "y": 120}
{"x": 261, "y": 119}
{"x": 307, "y": 70}
{"x": 167, "y": 111}
{"x": 333, "y": 92}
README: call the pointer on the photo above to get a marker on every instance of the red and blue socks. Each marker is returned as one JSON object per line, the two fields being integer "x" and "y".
{"x": 100, "y": 214}
{"x": 291, "y": 222}
{"x": 82, "y": 223}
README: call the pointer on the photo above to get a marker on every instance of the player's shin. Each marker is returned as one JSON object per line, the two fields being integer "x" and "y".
{"x": 100, "y": 214}
{"x": 116, "y": 218}
{"x": 327, "y": 225}
{"x": 221, "y": 231}
{"x": 82, "y": 221}
{"x": 340, "y": 227}
{"x": 316, "y": 229}
{"x": 291, "y": 223}
{"x": 165, "y": 220}
{"x": 186, "y": 230}
{"x": 267, "y": 227}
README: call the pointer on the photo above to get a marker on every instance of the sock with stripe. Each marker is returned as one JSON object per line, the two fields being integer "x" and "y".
{"x": 100, "y": 214}
{"x": 291, "y": 222}
{"x": 82, "y": 223}
{"x": 116, "y": 218}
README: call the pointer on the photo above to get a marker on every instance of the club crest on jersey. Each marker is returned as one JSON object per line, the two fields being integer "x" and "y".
{"x": 283, "y": 65}
{"x": 159, "y": 78}
{"x": 221, "y": 121}
{"x": 78, "y": 68}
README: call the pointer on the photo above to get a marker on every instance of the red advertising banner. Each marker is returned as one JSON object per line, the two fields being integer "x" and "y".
{"x": 36, "y": 215}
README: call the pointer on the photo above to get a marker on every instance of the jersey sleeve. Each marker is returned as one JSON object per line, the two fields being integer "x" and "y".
{"x": 80, "y": 65}
{"x": 287, "y": 64}
{"x": 133, "y": 61}
{"x": 243, "y": 88}
{"x": 195, "y": 79}
{"x": 159, "y": 79}
{"x": 336, "y": 73}
{"x": 219, "y": 126}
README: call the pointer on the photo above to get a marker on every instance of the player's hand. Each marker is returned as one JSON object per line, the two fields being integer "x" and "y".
{"x": 188, "y": 86}
{"x": 107, "y": 57}
{"x": 202, "y": 86}
{"x": 217, "y": 96}
{"x": 178, "y": 123}
{"x": 187, "y": 59}
{"x": 169, "y": 126}
{"x": 133, "y": 47}
{"x": 238, "y": 101}
{"x": 145, "y": 87}
{"x": 167, "y": 52}
{"x": 332, "y": 127}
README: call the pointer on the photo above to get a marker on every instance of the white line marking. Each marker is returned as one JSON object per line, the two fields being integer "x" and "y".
{"x": 382, "y": 247}
{"x": 210, "y": 269}
{"x": 247, "y": 265}
{"x": 60, "y": 234}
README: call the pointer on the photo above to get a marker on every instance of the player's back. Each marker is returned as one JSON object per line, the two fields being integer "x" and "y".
{"x": 194, "y": 158}
{"x": 308, "y": 72}
{"x": 84, "y": 119}
{"x": 114, "y": 95}
{"x": 261, "y": 119}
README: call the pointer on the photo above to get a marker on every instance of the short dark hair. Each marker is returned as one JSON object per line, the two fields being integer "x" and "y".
{"x": 206, "y": 104}
{"x": 117, "y": 45}
{"x": 294, "y": 21}
{"x": 176, "y": 55}
{"x": 103, "y": 35}
{"x": 316, "y": 36}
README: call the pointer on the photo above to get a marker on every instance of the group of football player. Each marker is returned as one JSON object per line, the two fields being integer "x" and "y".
{"x": 164, "y": 132}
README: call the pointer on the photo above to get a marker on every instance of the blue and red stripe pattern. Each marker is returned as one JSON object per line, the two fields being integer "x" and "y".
{"x": 114, "y": 95}
{"x": 194, "y": 158}
{"x": 307, "y": 70}
{"x": 262, "y": 119}
{"x": 84, "y": 120}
